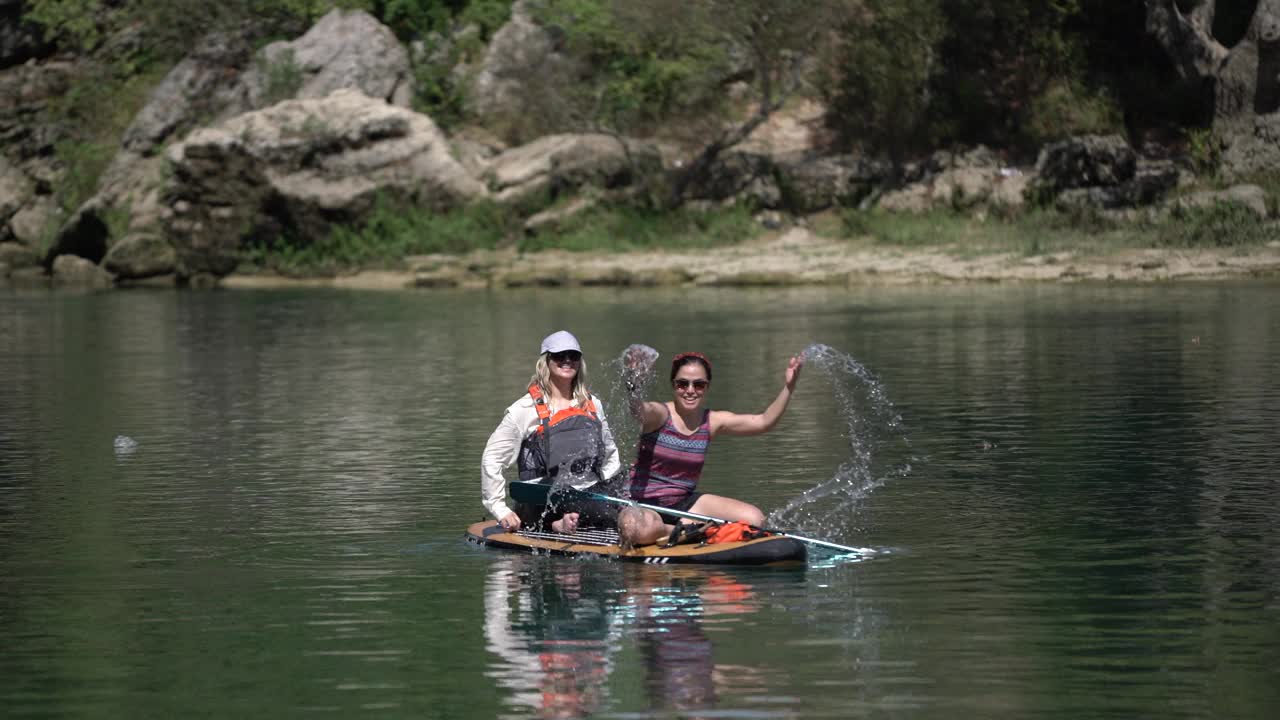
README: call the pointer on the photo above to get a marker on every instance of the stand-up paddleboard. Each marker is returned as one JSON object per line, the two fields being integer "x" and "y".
{"x": 772, "y": 550}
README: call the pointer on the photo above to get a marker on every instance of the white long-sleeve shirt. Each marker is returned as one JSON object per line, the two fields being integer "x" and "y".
{"x": 504, "y": 445}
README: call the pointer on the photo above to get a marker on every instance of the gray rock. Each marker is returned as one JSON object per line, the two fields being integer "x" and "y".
{"x": 31, "y": 278}
{"x": 1148, "y": 186}
{"x": 139, "y": 256}
{"x": 344, "y": 49}
{"x": 813, "y": 184}
{"x": 70, "y": 271}
{"x": 297, "y": 168}
{"x": 519, "y": 52}
{"x": 205, "y": 84}
{"x": 557, "y": 163}
{"x": 1086, "y": 161}
{"x": 16, "y": 255}
{"x": 35, "y": 223}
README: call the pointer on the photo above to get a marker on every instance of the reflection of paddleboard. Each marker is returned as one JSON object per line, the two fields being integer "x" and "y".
{"x": 772, "y": 550}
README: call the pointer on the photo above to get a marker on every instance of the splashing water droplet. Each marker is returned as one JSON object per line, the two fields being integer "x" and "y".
{"x": 878, "y": 448}
{"x": 125, "y": 445}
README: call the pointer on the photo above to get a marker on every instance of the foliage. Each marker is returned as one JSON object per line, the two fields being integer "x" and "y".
{"x": 635, "y": 71}
{"x": 391, "y": 232}
{"x": 878, "y": 87}
{"x": 1218, "y": 225}
{"x": 283, "y": 76}
{"x": 1067, "y": 108}
{"x": 619, "y": 228}
{"x": 72, "y": 23}
{"x": 1204, "y": 149}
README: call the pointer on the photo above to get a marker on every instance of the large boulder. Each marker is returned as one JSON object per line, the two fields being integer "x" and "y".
{"x": 206, "y": 84}
{"x": 813, "y": 184}
{"x": 36, "y": 221}
{"x": 25, "y": 94}
{"x": 345, "y": 49}
{"x": 522, "y": 58}
{"x": 139, "y": 256}
{"x": 1150, "y": 183}
{"x": 558, "y": 163}
{"x": 298, "y": 167}
{"x": 1085, "y": 161}
{"x": 958, "y": 180}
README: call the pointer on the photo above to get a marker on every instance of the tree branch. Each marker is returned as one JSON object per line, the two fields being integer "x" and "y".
{"x": 1187, "y": 38}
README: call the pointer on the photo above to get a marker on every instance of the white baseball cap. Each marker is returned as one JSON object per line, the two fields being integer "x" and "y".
{"x": 559, "y": 342}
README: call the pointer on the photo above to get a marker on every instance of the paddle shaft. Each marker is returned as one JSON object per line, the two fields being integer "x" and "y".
{"x": 536, "y": 493}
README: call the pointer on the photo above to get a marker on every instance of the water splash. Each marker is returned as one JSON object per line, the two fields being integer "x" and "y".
{"x": 125, "y": 445}
{"x": 630, "y": 374}
{"x": 878, "y": 448}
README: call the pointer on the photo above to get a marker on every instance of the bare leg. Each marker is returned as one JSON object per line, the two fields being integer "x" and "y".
{"x": 637, "y": 526}
{"x": 728, "y": 509}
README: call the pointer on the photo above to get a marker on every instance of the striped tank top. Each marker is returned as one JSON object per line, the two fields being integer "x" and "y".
{"x": 669, "y": 463}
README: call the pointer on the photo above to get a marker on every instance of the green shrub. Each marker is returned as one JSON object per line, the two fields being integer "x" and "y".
{"x": 1069, "y": 108}
{"x": 1219, "y": 225}
{"x": 391, "y": 232}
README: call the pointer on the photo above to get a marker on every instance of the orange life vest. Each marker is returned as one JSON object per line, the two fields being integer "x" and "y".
{"x": 571, "y": 440}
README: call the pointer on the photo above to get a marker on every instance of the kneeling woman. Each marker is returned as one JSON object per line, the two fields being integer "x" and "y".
{"x": 558, "y": 433}
{"x": 673, "y": 446}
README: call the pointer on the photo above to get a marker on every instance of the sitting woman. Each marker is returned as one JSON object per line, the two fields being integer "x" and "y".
{"x": 558, "y": 433}
{"x": 673, "y": 447}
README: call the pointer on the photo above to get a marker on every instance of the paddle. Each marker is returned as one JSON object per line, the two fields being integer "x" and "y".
{"x": 535, "y": 493}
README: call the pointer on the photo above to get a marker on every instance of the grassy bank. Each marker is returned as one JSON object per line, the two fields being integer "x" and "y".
{"x": 1043, "y": 231}
{"x": 394, "y": 232}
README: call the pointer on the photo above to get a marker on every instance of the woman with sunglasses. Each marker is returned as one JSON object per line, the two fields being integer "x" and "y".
{"x": 557, "y": 432}
{"x": 673, "y": 446}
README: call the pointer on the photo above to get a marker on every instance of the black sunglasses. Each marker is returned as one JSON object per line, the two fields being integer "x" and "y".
{"x": 683, "y": 384}
{"x": 565, "y": 356}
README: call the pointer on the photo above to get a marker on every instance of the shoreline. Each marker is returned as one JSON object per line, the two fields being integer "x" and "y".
{"x": 796, "y": 257}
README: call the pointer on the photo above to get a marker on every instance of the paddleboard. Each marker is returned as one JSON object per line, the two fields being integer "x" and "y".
{"x": 772, "y": 550}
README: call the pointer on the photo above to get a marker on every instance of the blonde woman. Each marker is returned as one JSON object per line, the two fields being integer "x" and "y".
{"x": 557, "y": 433}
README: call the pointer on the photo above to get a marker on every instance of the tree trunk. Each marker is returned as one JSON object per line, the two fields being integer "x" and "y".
{"x": 1246, "y": 76}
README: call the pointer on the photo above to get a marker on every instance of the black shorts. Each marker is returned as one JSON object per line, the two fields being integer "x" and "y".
{"x": 682, "y": 504}
{"x": 591, "y": 513}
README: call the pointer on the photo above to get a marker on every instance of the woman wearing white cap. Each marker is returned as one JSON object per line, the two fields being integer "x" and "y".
{"x": 558, "y": 433}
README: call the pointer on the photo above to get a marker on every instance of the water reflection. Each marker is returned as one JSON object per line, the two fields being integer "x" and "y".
{"x": 554, "y": 627}
{"x": 558, "y": 628}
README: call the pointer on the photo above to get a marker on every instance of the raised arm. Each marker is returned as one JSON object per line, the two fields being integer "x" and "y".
{"x": 723, "y": 421}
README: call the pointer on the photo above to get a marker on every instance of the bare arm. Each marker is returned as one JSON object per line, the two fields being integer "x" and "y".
{"x": 723, "y": 421}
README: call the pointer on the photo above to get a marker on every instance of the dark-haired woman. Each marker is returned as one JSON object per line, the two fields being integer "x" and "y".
{"x": 673, "y": 445}
{"x": 558, "y": 434}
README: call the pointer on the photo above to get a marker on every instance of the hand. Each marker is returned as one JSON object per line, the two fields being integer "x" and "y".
{"x": 510, "y": 522}
{"x": 792, "y": 375}
{"x": 639, "y": 359}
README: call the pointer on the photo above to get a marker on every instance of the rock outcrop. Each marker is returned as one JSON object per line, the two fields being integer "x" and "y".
{"x": 958, "y": 181}
{"x": 555, "y": 164}
{"x": 522, "y": 59}
{"x": 296, "y": 168}
{"x": 344, "y": 49}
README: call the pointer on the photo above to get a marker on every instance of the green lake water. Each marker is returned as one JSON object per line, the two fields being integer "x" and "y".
{"x": 251, "y": 504}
